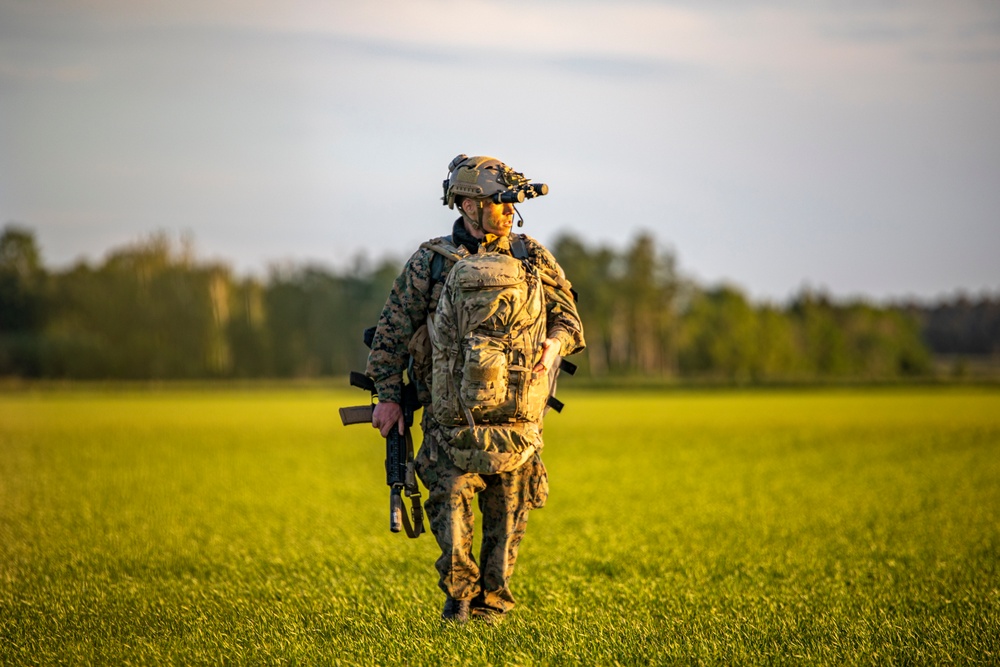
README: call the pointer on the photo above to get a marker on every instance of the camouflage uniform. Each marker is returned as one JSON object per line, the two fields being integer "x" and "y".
{"x": 504, "y": 498}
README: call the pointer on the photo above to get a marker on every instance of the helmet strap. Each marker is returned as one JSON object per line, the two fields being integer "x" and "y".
{"x": 482, "y": 210}
{"x": 475, "y": 222}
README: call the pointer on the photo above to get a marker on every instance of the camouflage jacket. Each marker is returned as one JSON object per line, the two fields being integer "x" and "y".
{"x": 413, "y": 297}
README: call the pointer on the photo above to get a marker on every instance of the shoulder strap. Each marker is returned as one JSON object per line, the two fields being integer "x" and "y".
{"x": 518, "y": 248}
{"x": 443, "y": 248}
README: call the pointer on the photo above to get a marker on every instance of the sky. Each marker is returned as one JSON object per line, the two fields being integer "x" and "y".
{"x": 847, "y": 146}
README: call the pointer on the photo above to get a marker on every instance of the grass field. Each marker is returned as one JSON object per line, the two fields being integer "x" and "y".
{"x": 224, "y": 526}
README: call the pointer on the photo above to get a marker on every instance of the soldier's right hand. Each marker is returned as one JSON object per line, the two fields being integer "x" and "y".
{"x": 385, "y": 414}
{"x": 550, "y": 355}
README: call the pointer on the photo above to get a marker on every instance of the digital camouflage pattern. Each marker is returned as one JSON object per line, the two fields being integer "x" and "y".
{"x": 492, "y": 449}
{"x": 412, "y": 297}
{"x": 504, "y": 500}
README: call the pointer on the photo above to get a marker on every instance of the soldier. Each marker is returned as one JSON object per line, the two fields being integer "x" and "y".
{"x": 484, "y": 190}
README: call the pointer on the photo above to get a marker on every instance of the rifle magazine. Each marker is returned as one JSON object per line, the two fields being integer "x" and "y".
{"x": 357, "y": 414}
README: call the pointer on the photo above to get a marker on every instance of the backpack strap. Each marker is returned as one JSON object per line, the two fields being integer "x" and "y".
{"x": 443, "y": 248}
{"x": 518, "y": 248}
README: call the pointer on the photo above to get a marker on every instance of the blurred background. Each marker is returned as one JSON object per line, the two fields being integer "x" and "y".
{"x": 740, "y": 191}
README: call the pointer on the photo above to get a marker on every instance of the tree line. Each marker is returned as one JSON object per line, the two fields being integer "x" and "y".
{"x": 153, "y": 310}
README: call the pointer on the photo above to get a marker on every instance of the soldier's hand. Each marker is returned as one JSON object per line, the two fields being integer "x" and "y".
{"x": 385, "y": 414}
{"x": 550, "y": 353}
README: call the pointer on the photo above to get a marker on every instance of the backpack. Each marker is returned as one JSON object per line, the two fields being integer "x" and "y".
{"x": 486, "y": 336}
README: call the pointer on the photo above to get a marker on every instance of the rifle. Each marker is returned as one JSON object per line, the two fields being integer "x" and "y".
{"x": 399, "y": 472}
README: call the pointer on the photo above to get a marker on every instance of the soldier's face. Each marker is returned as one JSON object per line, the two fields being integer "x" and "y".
{"x": 497, "y": 218}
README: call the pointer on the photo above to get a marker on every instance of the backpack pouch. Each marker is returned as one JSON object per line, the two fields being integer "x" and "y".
{"x": 484, "y": 374}
{"x": 493, "y": 449}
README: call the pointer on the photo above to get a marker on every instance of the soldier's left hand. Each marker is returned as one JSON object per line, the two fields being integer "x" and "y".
{"x": 386, "y": 415}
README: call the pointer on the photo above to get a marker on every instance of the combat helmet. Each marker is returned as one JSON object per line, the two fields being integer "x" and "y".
{"x": 482, "y": 177}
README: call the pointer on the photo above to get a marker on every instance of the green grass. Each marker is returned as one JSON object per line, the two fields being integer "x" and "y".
{"x": 208, "y": 527}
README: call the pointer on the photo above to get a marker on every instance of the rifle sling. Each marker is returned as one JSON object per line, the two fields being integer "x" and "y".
{"x": 414, "y": 529}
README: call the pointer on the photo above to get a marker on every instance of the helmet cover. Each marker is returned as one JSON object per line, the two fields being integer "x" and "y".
{"x": 478, "y": 177}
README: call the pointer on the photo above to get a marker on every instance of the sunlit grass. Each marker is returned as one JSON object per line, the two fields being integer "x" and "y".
{"x": 249, "y": 526}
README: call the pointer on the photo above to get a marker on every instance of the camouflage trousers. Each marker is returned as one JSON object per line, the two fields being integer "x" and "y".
{"x": 504, "y": 500}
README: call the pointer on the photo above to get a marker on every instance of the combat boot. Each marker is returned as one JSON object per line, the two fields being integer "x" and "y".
{"x": 488, "y": 615}
{"x": 455, "y": 610}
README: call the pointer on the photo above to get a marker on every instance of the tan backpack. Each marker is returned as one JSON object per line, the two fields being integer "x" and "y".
{"x": 486, "y": 336}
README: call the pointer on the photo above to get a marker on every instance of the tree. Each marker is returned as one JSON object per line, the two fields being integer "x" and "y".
{"x": 720, "y": 335}
{"x": 149, "y": 311}
{"x": 22, "y": 302}
{"x": 627, "y": 303}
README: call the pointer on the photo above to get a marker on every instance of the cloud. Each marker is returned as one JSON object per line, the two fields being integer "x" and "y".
{"x": 618, "y": 68}
{"x": 515, "y": 66}
{"x": 626, "y": 29}
{"x": 10, "y": 71}
{"x": 867, "y": 31}
{"x": 639, "y": 40}
{"x": 967, "y": 56}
